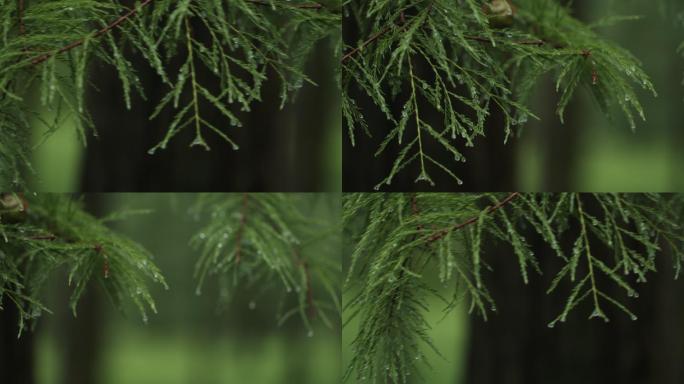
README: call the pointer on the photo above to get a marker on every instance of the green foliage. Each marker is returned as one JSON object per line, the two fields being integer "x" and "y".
{"x": 47, "y": 233}
{"x": 450, "y": 57}
{"x": 401, "y": 244}
{"x": 265, "y": 241}
{"x": 50, "y": 45}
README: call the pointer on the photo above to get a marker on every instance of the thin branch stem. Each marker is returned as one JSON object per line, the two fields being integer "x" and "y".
{"x": 311, "y": 309}
{"x": 312, "y": 5}
{"x": 21, "y": 6}
{"x": 193, "y": 79}
{"x": 414, "y": 96}
{"x": 363, "y": 45}
{"x": 309, "y": 292}
{"x": 590, "y": 264}
{"x": 44, "y": 57}
{"x": 375, "y": 37}
{"x": 441, "y": 233}
{"x": 241, "y": 229}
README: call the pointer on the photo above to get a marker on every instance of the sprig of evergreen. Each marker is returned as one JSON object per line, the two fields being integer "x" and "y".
{"x": 398, "y": 241}
{"x": 51, "y": 44}
{"x": 464, "y": 60}
{"x": 42, "y": 234}
{"x": 254, "y": 240}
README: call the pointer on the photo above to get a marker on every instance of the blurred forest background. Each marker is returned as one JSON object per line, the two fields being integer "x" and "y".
{"x": 588, "y": 152}
{"x": 188, "y": 341}
{"x": 294, "y": 149}
{"x": 516, "y": 345}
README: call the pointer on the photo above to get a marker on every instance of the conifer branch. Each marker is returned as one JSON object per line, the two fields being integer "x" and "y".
{"x": 352, "y": 52}
{"x": 243, "y": 44}
{"x": 455, "y": 60}
{"x": 311, "y": 309}
{"x": 363, "y": 45}
{"x": 42, "y": 58}
{"x": 57, "y": 233}
{"x": 390, "y": 266}
{"x": 279, "y": 242}
{"x": 442, "y": 233}
{"x": 590, "y": 263}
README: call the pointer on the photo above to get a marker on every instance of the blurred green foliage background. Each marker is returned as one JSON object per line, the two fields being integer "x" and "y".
{"x": 188, "y": 341}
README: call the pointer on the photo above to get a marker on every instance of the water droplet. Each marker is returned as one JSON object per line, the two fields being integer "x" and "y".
{"x": 310, "y": 333}
{"x": 596, "y": 313}
{"x": 252, "y": 305}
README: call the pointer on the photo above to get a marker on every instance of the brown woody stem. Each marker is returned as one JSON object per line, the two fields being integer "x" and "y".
{"x": 44, "y": 57}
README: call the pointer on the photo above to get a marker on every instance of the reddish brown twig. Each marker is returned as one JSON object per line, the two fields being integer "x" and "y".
{"x": 594, "y": 72}
{"x": 414, "y": 204}
{"x": 20, "y": 15}
{"x": 363, "y": 45}
{"x": 311, "y": 306}
{"x": 311, "y": 309}
{"x": 414, "y": 208}
{"x": 443, "y": 232}
{"x": 241, "y": 228}
{"x": 49, "y": 237}
{"x": 99, "y": 248}
{"x": 44, "y": 57}
{"x": 402, "y": 23}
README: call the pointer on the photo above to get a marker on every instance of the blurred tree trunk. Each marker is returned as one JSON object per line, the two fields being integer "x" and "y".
{"x": 16, "y": 355}
{"x": 517, "y": 347}
{"x": 279, "y": 150}
{"x": 559, "y": 153}
{"x": 81, "y": 338}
